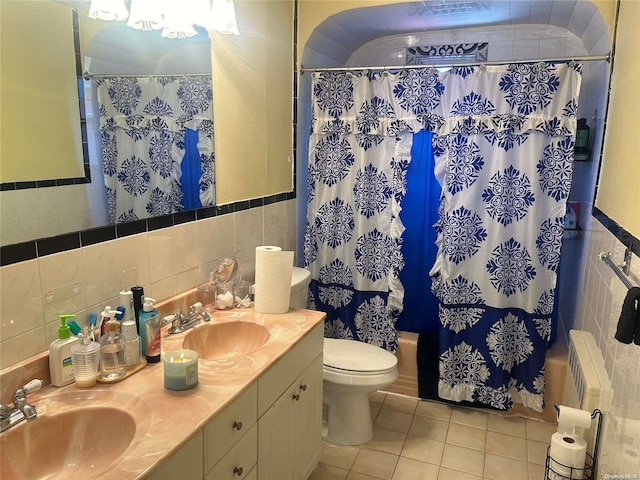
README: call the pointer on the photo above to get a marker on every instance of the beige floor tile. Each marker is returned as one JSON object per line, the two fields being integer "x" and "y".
{"x": 375, "y": 463}
{"x": 360, "y": 476}
{"x": 341, "y": 456}
{"x": 428, "y": 408}
{"x": 448, "y": 474}
{"x": 540, "y": 431}
{"x": 392, "y": 420}
{"x": 472, "y": 418}
{"x": 516, "y": 426}
{"x": 536, "y": 472}
{"x": 409, "y": 469}
{"x": 328, "y": 472}
{"x": 400, "y": 403}
{"x": 387, "y": 440}
{"x": 536, "y": 452}
{"x": 465, "y": 436}
{"x": 429, "y": 428}
{"x": 503, "y": 468}
{"x": 423, "y": 449}
{"x": 374, "y": 412}
{"x": 507, "y": 445}
{"x": 463, "y": 459}
{"x": 376, "y": 398}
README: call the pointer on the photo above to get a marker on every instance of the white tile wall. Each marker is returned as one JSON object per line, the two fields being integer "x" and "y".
{"x": 506, "y": 42}
{"x": 599, "y": 304}
{"x": 165, "y": 262}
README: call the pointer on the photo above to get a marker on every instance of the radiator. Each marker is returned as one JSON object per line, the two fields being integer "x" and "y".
{"x": 587, "y": 384}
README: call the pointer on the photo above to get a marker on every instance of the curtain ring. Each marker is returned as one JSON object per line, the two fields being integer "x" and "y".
{"x": 432, "y": 70}
{"x": 483, "y": 67}
{"x": 541, "y": 65}
{"x": 572, "y": 63}
{"x": 512, "y": 67}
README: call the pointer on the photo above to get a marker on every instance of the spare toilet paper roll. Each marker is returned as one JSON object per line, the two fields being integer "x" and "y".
{"x": 273, "y": 280}
{"x": 568, "y": 418}
{"x": 568, "y": 454}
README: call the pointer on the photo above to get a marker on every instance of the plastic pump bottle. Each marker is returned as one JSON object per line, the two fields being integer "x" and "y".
{"x": 112, "y": 352}
{"x": 86, "y": 360}
{"x": 60, "y": 357}
{"x": 147, "y": 311}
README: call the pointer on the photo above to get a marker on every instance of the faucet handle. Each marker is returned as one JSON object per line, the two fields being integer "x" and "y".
{"x": 33, "y": 386}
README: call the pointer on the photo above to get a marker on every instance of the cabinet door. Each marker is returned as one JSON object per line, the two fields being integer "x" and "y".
{"x": 276, "y": 437}
{"x": 308, "y": 412}
{"x": 186, "y": 464}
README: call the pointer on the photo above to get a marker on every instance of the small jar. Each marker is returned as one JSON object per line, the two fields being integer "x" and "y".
{"x": 224, "y": 296}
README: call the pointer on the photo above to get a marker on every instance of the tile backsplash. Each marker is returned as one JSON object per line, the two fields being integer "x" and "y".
{"x": 165, "y": 262}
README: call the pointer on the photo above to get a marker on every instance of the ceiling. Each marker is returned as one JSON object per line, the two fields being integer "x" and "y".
{"x": 341, "y": 34}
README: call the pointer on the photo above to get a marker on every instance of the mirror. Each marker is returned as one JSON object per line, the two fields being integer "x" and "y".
{"x": 253, "y": 116}
{"x": 618, "y": 195}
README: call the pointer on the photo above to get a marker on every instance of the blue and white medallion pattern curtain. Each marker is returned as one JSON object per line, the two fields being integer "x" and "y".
{"x": 143, "y": 125}
{"x": 503, "y": 139}
{"x": 505, "y": 167}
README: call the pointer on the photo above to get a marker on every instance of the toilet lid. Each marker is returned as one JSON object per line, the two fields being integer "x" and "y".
{"x": 351, "y": 355}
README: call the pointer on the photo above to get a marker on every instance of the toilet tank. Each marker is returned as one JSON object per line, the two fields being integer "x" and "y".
{"x": 300, "y": 279}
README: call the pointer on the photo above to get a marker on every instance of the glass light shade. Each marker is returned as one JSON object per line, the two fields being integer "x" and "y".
{"x": 146, "y": 15}
{"x": 223, "y": 17}
{"x": 108, "y": 10}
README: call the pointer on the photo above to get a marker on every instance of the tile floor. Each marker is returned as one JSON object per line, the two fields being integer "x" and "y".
{"x": 425, "y": 440}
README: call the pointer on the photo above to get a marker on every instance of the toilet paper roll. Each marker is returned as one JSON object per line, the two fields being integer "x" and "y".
{"x": 568, "y": 454}
{"x": 273, "y": 280}
{"x": 568, "y": 418}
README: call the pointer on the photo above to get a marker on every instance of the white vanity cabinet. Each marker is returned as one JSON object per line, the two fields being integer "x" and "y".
{"x": 272, "y": 431}
{"x": 186, "y": 464}
{"x": 290, "y": 422}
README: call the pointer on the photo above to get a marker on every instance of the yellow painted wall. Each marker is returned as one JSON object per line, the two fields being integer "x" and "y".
{"x": 618, "y": 194}
{"x": 40, "y": 125}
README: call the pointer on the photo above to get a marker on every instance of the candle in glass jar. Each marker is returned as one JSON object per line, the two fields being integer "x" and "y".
{"x": 180, "y": 369}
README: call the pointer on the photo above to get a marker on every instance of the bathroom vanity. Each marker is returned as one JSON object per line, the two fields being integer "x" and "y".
{"x": 253, "y": 415}
{"x": 272, "y": 431}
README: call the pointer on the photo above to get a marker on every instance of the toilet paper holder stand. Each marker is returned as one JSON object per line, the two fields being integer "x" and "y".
{"x": 574, "y": 473}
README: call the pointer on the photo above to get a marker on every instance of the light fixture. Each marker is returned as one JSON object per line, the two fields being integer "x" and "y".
{"x": 176, "y": 18}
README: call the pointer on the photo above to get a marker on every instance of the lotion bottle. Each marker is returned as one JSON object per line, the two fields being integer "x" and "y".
{"x": 60, "y": 357}
{"x": 147, "y": 311}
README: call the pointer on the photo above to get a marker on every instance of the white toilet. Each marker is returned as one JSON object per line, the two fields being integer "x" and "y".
{"x": 351, "y": 371}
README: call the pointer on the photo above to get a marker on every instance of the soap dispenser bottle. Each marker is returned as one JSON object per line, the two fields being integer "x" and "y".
{"x": 60, "y": 357}
{"x": 147, "y": 311}
{"x": 86, "y": 360}
{"x": 112, "y": 364}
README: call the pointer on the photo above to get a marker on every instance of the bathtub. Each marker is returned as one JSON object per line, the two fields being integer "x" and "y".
{"x": 555, "y": 370}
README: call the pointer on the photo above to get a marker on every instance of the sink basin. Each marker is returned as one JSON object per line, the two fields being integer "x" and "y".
{"x": 79, "y": 443}
{"x": 218, "y": 341}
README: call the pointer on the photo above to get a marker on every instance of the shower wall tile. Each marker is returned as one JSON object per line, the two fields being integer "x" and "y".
{"x": 186, "y": 251}
{"x": 249, "y": 226}
{"x": 23, "y": 346}
{"x": 227, "y": 234}
{"x": 207, "y": 240}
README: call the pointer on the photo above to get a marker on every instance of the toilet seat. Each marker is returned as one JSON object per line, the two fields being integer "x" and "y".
{"x": 350, "y": 357}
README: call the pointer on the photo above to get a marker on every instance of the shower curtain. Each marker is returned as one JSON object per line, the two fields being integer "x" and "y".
{"x": 157, "y": 144}
{"x": 503, "y": 139}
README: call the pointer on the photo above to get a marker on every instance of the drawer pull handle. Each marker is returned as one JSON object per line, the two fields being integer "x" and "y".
{"x": 296, "y": 397}
{"x": 237, "y": 425}
{"x": 303, "y": 387}
{"x": 237, "y": 471}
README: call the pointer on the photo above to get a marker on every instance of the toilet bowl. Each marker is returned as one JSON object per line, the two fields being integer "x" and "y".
{"x": 351, "y": 371}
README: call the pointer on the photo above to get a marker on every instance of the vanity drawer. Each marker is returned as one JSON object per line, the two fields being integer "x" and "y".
{"x": 279, "y": 377}
{"x": 229, "y": 426}
{"x": 240, "y": 461}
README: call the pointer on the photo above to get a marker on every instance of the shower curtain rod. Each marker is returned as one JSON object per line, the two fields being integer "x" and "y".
{"x": 89, "y": 76}
{"x": 588, "y": 58}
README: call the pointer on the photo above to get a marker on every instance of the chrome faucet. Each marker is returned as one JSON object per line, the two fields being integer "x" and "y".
{"x": 181, "y": 322}
{"x": 21, "y": 410}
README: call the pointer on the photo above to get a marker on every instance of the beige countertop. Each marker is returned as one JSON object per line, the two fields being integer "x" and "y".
{"x": 166, "y": 420}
